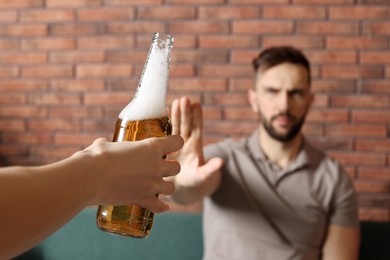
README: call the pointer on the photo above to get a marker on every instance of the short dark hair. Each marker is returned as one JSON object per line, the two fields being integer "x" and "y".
{"x": 274, "y": 56}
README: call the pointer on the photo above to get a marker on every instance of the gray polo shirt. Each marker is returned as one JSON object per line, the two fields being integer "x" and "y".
{"x": 261, "y": 212}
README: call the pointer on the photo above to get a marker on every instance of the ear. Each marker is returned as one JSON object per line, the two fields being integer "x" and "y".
{"x": 252, "y": 98}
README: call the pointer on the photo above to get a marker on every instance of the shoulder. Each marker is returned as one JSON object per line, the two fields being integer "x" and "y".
{"x": 224, "y": 148}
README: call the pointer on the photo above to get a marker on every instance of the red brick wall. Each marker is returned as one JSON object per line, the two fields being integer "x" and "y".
{"x": 68, "y": 67}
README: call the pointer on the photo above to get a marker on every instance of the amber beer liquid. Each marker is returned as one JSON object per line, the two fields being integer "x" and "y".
{"x": 144, "y": 117}
{"x": 133, "y": 219}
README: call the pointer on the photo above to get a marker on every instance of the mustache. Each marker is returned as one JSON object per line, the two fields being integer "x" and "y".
{"x": 288, "y": 115}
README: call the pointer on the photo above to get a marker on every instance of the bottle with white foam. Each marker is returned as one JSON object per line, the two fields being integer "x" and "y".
{"x": 145, "y": 116}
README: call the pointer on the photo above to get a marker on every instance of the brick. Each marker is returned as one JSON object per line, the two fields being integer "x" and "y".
{"x": 360, "y": 101}
{"x": 28, "y": 138}
{"x": 133, "y": 56}
{"x": 9, "y": 44}
{"x": 99, "y": 125}
{"x": 376, "y": 28}
{"x": 352, "y": 72}
{"x": 380, "y": 200}
{"x": 75, "y": 139}
{"x": 107, "y": 98}
{"x": 106, "y": 14}
{"x": 327, "y": 28}
{"x": 373, "y": 214}
{"x": 75, "y": 112}
{"x": 321, "y": 2}
{"x": 321, "y": 101}
{"x": 77, "y": 85}
{"x": 295, "y": 41}
{"x": 228, "y": 12}
{"x": 356, "y": 130}
{"x": 294, "y": 12}
{"x": 225, "y": 70}
{"x": 360, "y": 13}
{"x": 77, "y": 29}
{"x": 372, "y": 2}
{"x": 180, "y": 70}
{"x": 337, "y": 86}
{"x": 211, "y": 113}
{"x": 128, "y": 85}
{"x": 333, "y": 143}
{"x": 251, "y": 2}
{"x": 200, "y": 2}
{"x": 356, "y": 42}
{"x": 374, "y": 57}
{"x": 104, "y": 70}
{"x": 370, "y": 116}
{"x": 47, "y": 71}
{"x": 231, "y": 41}
{"x": 55, "y": 99}
{"x": 166, "y": 12}
{"x": 135, "y": 27}
{"x": 8, "y": 16}
{"x": 12, "y": 150}
{"x": 358, "y": 158}
{"x": 243, "y": 56}
{"x": 198, "y": 26}
{"x": 183, "y": 41}
{"x": 328, "y": 116}
{"x": 371, "y": 187}
{"x": 106, "y": 42}
{"x": 47, "y": 43}
{"x": 375, "y": 86}
{"x": 132, "y": 2}
{"x": 12, "y": 125}
{"x": 200, "y": 56}
{"x": 9, "y": 72}
{"x": 229, "y": 128}
{"x": 332, "y": 56}
{"x": 49, "y": 125}
{"x": 72, "y": 3}
{"x": 54, "y": 151}
{"x": 77, "y": 56}
{"x": 374, "y": 173}
{"x": 47, "y": 15}
{"x": 22, "y": 85}
{"x": 23, "y": 30}
{"x": 21, "y": 4}
{"x": 226, "y": 99}
{"x": 198, "y": 84}
{"x": 23, "y": 57}
{"x": 12, "y": 98}
{"x": 373, "y": 145}
{"x": 263, "y": 27}
{"x": 241, "y": 84}
{"x": 239, "y": 113}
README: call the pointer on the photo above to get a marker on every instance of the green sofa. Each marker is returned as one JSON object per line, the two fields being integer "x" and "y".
{"x": 175, "y": 236}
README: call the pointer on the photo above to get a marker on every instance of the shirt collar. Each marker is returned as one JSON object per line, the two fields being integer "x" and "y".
{"x": 303, "y": 158}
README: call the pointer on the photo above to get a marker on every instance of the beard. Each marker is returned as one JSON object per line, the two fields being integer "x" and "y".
{"x": 286, "y": 137}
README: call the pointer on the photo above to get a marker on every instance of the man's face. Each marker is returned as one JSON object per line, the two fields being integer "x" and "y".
{"x": 282, "y": 99}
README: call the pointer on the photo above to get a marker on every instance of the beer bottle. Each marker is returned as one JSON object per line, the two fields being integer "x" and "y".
{"x": 145, "y": 116}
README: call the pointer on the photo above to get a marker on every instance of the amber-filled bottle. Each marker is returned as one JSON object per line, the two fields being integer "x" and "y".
{"x": 145, "y": 116}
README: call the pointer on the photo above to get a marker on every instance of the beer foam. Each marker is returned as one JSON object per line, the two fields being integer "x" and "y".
{"x": 149, "y": 101}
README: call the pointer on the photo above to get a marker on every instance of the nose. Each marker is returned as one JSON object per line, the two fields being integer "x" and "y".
{"x": 283, "y": 101}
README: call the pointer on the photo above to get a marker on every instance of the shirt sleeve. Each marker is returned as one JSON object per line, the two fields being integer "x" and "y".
{"x": 344, "y": 211}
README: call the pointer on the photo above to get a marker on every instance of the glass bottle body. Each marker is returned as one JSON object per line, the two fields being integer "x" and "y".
{"x": 132, "y": 220}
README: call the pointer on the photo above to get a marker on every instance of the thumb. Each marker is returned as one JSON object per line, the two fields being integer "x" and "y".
{"x": 213, "y": 165}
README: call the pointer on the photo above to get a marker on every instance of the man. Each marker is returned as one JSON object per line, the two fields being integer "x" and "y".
{"x": 36, "y": 201}
{"x": 271, "y": 195}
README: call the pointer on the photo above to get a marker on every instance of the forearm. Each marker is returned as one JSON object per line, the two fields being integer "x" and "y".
{"x": 44, "y": 202}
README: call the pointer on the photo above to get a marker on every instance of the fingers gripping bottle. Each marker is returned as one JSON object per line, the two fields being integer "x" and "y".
{"x": 145, "y": 116}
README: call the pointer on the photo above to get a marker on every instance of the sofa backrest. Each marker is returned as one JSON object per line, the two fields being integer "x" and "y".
{"x": 175, "y": 236}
